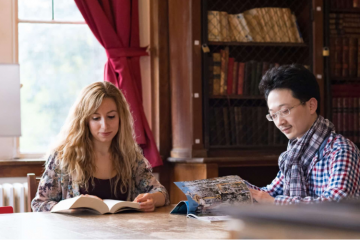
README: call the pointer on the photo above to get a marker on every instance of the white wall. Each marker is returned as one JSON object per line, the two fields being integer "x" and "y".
{"x": 8, "y": 55}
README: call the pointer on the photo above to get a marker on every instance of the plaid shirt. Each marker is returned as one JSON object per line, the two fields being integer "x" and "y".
{"x": 332, "y": 178}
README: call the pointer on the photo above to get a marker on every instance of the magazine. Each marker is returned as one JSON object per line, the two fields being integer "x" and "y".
{"x": 101, "y": 206}
{"x": 205, "y": 197}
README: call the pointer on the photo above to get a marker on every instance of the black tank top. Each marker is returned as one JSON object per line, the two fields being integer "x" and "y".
{"x": 103, "y": 190}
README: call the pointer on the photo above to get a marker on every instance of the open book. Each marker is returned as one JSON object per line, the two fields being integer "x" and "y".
{"x": 205, "y": 197}
{"x": 105, "y": 206}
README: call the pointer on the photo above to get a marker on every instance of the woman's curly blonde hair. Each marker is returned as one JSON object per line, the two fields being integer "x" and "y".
{"x": 75, "y": 151}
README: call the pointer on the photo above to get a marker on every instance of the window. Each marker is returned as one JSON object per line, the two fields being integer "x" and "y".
{"x": 58, "y": 56}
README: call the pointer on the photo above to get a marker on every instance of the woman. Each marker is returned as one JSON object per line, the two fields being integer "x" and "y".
{"x": 97, "y": 155}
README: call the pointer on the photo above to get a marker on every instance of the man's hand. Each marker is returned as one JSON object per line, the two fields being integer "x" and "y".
{"x": 261, "y": 197}
{"x": 146, "y": 200}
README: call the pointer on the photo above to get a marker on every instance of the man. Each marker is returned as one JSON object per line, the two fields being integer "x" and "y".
{"x": 319, "y": 164}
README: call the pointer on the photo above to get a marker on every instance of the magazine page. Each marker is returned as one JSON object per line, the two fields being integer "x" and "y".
{"x": 210, "y": 218}
{"x": 207, "y": 195}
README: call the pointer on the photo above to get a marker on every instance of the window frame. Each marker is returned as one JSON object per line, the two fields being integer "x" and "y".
{"x": 18, "y": 153}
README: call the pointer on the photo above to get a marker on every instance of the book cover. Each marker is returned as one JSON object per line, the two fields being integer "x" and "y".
{"x": 232, "y": 126}
{"x": 275, "y": 24}
{"x": 230, "y": 76}
{"x": 205, "y": 197}
{"x": 219, "y": 120}
{"x": 282, "y": 25}
{"x": 298, "y": 33}
{"x": 340, "y": 111}
{"x": 216, "y": 73}
{"x": 211, "y": 75}
{"x": 214, "y": 26}
{"x": 226, "y": 126}
{"x": 254, "y": 25}
{"x": 241, "y": 77}
{"x": 358, "y": 59}
{"x": 235, "y": 78}
{"x": 101, "y": 206}
{"x": 269, "y": 23}
{"x": 356, "y": 119}
{"x": 291, "y": 28}
{"x": 353, "y": 57}
{"x": 224, "y": 70}
{"x": 345, "y": 57}
{"x": 259, "y": 70}
{"x": 238, "y": 30}
{"x": 245, "y": 27}
{"x": 238, "y": 125}
{"x": 338, "y": 57}
{"x": 224, "y": 27}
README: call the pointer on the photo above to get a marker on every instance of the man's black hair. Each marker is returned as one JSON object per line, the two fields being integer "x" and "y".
{"x": 294, "y": 77}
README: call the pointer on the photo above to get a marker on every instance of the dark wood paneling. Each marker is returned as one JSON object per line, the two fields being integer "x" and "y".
{"x": 20, "y": 168}
{"x": 185, "y": 75}
{"x": 181, "y": 76}
{"x": 160, "y": 82}
{"x": 318, "y": 59}
{"x": 189, "y": 172}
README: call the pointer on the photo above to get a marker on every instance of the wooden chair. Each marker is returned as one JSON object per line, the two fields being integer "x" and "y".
{"x": 7, "y": 209}
{"x": 33, "y": 183}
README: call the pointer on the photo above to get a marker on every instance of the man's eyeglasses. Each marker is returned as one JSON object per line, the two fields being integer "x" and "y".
{"x": 281, "y": 113}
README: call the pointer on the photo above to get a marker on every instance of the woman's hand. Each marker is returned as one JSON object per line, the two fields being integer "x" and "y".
{"x": 261, "y": 197}
{"x": 147, "y": 202}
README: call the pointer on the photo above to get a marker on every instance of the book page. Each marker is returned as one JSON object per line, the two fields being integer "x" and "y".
{"x": 81, "y": 202}
{"x": 207, "y": 195}
{"x": 117, "y": 205}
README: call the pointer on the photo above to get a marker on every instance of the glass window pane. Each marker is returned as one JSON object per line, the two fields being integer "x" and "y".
{"x": 66, "y": 10}
{"x": 56, "y": 62}
{"x": 35, "y": 9}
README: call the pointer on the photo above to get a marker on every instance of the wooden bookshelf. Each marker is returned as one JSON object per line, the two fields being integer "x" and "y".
{"x": 237, "y": 97}
{"x": 192, "y": 156}
{"x": 259, "y": 44}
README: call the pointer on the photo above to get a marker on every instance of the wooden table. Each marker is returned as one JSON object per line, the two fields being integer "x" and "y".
{"x": 158, "y": 224}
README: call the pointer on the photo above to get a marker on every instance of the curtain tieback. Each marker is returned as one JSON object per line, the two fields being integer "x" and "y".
{"x": 126, "y": 52}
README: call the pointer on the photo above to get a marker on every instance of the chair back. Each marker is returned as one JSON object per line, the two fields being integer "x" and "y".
{"x": 33, "y": 183}
{"x": 7, "y": 209}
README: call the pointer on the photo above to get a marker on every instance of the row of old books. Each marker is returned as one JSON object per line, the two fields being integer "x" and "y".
{"x": 336, "y": 4}
{"x": 346, "y": 117}
{"x": 344, "y": 24}
{"x": 229, "y": 77}
{"x": 254, "y": 25}
{"x": 243, "y": 126}
{"x": 345, "y": 56}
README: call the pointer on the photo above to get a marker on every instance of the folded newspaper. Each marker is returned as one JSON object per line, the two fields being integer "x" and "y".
{"x": 205, "y": 197}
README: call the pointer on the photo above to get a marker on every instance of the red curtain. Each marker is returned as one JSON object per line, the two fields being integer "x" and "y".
{"x": 115, "y": 23}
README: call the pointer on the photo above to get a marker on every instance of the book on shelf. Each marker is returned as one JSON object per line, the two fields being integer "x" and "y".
{"x": 345, "y": 109}
{"x": 224, "y": 28}
{"x": 229, "y": 77}
{"x": 242, "y": 126}
{"x": 241, "y": 77}
{"x": 214, "y": 30}
{"x": 226, "y": 126}
{"x": 205, "y": 197}
{"x": 95, "y": 204}
{"x": 254, "y": 25}
{"x": 345, "y": 57}
{"x": 216, "y": 73}
{"x": 347, "y": 4}
{"x": 235, "y": 78}
{"x": 224, "y": 70}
